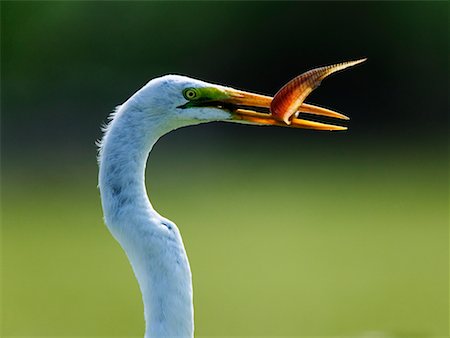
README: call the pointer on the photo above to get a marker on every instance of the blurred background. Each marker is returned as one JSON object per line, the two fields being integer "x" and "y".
{"x": 289, "y": 232}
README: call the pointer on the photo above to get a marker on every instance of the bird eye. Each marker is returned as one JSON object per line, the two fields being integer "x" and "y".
{"x": 190, "y": 94}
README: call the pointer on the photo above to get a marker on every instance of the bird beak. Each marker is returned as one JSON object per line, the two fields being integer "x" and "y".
{"x": 288, "y": 103}
{"x": 242, "y": 101}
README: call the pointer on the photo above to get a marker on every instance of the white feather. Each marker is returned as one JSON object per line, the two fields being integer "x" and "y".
{"x": 152, "y": 243}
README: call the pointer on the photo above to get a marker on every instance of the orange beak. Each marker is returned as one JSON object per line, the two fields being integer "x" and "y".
{"x": 248, "y": 116}
{"x": 288, "y": 103}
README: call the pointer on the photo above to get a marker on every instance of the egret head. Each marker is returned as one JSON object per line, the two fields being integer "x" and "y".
{"x": 174, "y": 98}
{"x": 181, "y": 101}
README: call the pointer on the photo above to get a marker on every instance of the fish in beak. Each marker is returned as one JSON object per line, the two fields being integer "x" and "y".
{"x": 284, "y": 108}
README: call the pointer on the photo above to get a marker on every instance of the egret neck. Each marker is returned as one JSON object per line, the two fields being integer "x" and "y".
{"x": 152, "y": 243}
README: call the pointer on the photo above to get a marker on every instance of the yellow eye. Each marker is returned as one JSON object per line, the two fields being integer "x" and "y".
{"x": 190, "y": 94}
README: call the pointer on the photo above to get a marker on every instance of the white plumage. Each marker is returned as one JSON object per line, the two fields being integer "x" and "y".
{"x": 152, "y": 243}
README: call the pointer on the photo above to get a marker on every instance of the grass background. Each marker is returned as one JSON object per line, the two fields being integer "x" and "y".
{"x": 302, "y": 243}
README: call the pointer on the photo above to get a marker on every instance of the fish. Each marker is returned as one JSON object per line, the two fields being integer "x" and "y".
{"x": 288, "y": 102}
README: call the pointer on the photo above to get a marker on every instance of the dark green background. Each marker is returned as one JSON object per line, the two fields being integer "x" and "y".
{"x": 289, "y": 232}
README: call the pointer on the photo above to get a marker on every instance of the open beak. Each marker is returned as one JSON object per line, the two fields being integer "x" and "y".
{"x": 285, "y": 107}
{"x": 241, "y": 103}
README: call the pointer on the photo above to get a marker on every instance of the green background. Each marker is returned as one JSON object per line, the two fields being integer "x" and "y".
{"x": 289, "y": 232}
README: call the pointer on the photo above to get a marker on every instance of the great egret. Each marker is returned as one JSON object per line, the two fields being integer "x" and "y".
{"x": 153, "y": 243}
